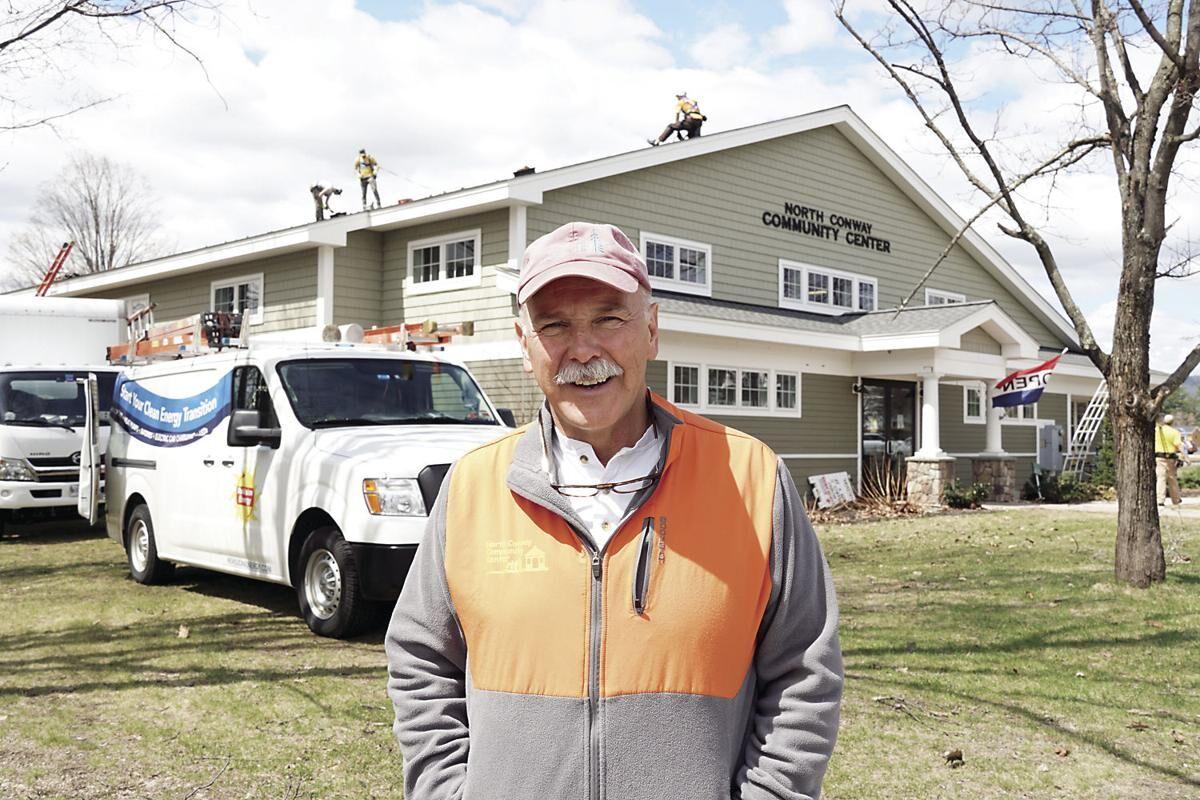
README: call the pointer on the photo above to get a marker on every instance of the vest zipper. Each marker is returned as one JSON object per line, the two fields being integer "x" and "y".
{"x": 641, "y": 573}
{"x": 597, "y": 596}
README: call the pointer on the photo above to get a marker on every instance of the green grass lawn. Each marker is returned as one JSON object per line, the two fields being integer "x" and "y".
{"x": 998, "y": 634}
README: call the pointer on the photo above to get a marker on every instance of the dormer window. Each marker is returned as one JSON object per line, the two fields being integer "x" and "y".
{"x": 826, "y": 291}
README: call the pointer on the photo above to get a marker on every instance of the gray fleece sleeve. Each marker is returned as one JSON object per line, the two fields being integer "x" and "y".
{"x": 798, "y": 664}
{"x": 427, "y": 657}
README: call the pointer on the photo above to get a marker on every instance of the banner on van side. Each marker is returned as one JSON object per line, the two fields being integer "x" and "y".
{"x": 170, "y": 421}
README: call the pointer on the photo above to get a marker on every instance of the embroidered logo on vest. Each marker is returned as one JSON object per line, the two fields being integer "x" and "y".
{"x": 511, "y": 556}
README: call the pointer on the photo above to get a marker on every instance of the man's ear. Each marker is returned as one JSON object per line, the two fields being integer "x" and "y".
{"x": 652, "y": 316}
{"x": 525, "y": 363}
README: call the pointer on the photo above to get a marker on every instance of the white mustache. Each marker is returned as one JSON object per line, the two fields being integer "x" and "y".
{"x": 595, "y": 371}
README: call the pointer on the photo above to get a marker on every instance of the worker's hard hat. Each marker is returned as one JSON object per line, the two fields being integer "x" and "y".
{"x": 681, "y": 94}
{"x": 362, "y": 150}
{"x": 1168, "y": 419}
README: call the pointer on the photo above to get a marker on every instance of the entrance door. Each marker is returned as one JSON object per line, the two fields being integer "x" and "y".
{"x": 889, "y": 410}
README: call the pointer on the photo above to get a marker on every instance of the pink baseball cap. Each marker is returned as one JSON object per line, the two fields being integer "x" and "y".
{"x": 585, "y": 249}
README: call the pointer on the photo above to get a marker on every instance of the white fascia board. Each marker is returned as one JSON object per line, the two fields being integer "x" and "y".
{"x": 481, "y": 198}
{"x": 878, "y": 152}
{"x": 900, "y": 341}
{"x": 271, "y": 244}
{"x": 958, "y": 364}
{"x": 677, "y": 151}
{"x": 882, "y": 364}
{"x": 682, "y": 323}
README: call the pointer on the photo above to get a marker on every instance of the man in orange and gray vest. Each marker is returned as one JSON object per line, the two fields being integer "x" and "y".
{"x": 368, "y": 169}
{"x": 687, "y": 118}
{"x": 621, "y": 599}
{"x": 1168, "y": 450}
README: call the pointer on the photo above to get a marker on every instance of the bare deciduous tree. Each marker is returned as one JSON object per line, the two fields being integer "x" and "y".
{"x": 106, "y": 208}
{"x": 1137, "y": 70}
{"x": 34, "y": 35}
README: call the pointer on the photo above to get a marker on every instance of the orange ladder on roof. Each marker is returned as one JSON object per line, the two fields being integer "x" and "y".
{"x": 55, "y": 266}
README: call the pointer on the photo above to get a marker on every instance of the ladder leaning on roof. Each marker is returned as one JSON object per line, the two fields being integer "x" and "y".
{"x": 1079, "y": 451}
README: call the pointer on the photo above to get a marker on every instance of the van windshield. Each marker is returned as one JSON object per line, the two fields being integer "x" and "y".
{"x": 333, "y": 392}
{"x": 50, "y": 398}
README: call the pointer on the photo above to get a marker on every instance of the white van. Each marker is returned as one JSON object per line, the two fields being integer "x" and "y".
{"x": 307, "y": 465}
{"x": 46, "y": 345}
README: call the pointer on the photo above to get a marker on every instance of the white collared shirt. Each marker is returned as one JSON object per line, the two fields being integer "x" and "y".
{"x": 577, "y": 464}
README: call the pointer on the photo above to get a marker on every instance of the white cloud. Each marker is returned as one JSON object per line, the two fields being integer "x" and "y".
{"x": 810, "y": 23}
{"x": 724, "y": 47}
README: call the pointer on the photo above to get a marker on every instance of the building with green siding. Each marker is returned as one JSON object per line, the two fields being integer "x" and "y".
{"x": 779, "y": 254}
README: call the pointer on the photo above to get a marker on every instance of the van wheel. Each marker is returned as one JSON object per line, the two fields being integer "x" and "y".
{"x": 144, "y": 564}
{"x": 328, "y": 586}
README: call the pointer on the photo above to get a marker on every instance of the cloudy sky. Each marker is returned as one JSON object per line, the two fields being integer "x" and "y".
{"x": 451, "y": 94}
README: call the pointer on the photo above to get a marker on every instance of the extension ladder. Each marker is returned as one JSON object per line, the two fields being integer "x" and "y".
{"x": 1079, "y": 451}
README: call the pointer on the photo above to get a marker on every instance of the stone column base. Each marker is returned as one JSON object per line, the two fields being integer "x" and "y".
{"x": 999, "y": 474}
{"x": 928, "y": 478}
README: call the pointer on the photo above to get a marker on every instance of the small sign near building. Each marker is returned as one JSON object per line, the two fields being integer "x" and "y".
{"x": 832, "y": 489}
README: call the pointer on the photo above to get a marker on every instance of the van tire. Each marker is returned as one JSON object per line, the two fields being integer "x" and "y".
{"x": 142, "y": 551}
{"x": 327, "y": 586}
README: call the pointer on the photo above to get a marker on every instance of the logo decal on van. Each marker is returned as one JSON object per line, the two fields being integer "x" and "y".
{"x": 244, "y": 496}
{"x": 170, "y": 421}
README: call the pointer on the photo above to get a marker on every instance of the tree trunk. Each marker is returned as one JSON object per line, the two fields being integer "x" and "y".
{"x": 1139, "y": 560}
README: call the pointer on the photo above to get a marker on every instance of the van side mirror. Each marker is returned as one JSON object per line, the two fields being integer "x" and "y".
{"x": 245, "y": 430}
{"x": 506, "y": 416}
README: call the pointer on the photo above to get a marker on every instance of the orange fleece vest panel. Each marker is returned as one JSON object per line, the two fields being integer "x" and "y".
{"x": 520, "y": 578}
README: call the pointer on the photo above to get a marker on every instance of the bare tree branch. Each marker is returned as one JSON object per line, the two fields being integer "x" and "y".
{"x": 1159, "y": 393}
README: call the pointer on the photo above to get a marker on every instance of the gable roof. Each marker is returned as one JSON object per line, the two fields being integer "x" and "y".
{"x": 529, "y": 190}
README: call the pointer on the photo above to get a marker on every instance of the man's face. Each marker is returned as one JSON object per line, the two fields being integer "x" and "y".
{"x": 576, "y": 322}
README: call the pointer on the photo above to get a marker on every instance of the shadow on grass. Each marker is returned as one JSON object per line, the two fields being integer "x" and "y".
{"x": 1041, "y": 720}
{"x": 273, "y": 597}
{"x": 53, "y": 532}
{"x": 91, "y": 658}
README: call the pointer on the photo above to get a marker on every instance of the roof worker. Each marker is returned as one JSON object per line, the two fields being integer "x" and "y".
{"x": 1168, "y": 450}
{"x": 367, "y": 168}
{"x": 621, "y": 598}
{"x": 687, "y": 118}
{"x": 316, "y": 189}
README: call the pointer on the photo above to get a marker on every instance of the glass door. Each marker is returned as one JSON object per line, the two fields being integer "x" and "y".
{"x": 888, "y": 434}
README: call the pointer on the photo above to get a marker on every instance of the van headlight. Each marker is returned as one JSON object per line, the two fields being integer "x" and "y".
{"x": 16, "y": 469}
{"x": 394, "y": 497}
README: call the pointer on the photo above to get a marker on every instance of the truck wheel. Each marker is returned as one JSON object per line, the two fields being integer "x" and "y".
{"x": 144, "y": 564}
{"x": 328, "y": 586}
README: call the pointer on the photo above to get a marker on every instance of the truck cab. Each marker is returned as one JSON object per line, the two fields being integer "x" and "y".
{"x": 47, "y": 345}
{"x": 310, "y": 465}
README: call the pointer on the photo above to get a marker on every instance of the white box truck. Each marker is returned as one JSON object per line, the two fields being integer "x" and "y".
{"x": 46, "y": 345}
{"x": 309, "y": 465}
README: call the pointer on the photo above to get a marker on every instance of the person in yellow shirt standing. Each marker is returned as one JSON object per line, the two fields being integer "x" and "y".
{"x": 367, "y": 168}
{"x": 1168, "y": 448}
{"x": 687, "y": 118}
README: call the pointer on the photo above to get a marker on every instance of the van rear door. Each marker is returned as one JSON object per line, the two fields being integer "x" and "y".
{"x": 89, "y": 451}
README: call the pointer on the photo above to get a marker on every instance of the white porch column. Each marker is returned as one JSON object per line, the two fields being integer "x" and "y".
{"x": 994, "y": 444}
{"x": 324, "y": 285}
{"x": 931, "y": 446}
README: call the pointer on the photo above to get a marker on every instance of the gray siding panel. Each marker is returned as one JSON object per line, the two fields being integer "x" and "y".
{"x": 978, "y": 340}
{"x": 719, "y": 199}
{"x": 289, "y": 291}
{"x": 358, "y": 280}
{"x": 509, "y": 386}
{"x": 490, "y": 308}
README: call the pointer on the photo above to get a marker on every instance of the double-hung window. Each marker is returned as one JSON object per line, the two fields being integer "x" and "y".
{"x": 716, "y": 389}
{"x": 678, "y": 265}
{"x": 243, "y": 294}
{"x": 939, "y": 297}
{"x": 974, "y": 397}
{"x": 443, "y": 263}
{"x": 808, "y": 288}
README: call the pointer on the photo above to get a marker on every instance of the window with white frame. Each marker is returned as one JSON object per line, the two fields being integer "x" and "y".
{"x": 808, "y": 288}
{"x": 136, "y": 303}
{"x": 443, "y": 263}
{"x": 973, "y": 404}
{"x": 787, "y": 392}
{"x": 677, "y": 265}
{"x": 938, "y": 297}
{"x": 732, "y": 390}
{"x": 686, "y": 388}
{"x": 243, "y": 294}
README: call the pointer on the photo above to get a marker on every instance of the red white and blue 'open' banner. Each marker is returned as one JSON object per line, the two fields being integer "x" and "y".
{"x": 1024, "y": 386}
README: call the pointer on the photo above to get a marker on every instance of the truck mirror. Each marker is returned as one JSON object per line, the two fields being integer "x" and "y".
{"x": 506, "y": 416}
{"x": 245, "y": 430}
